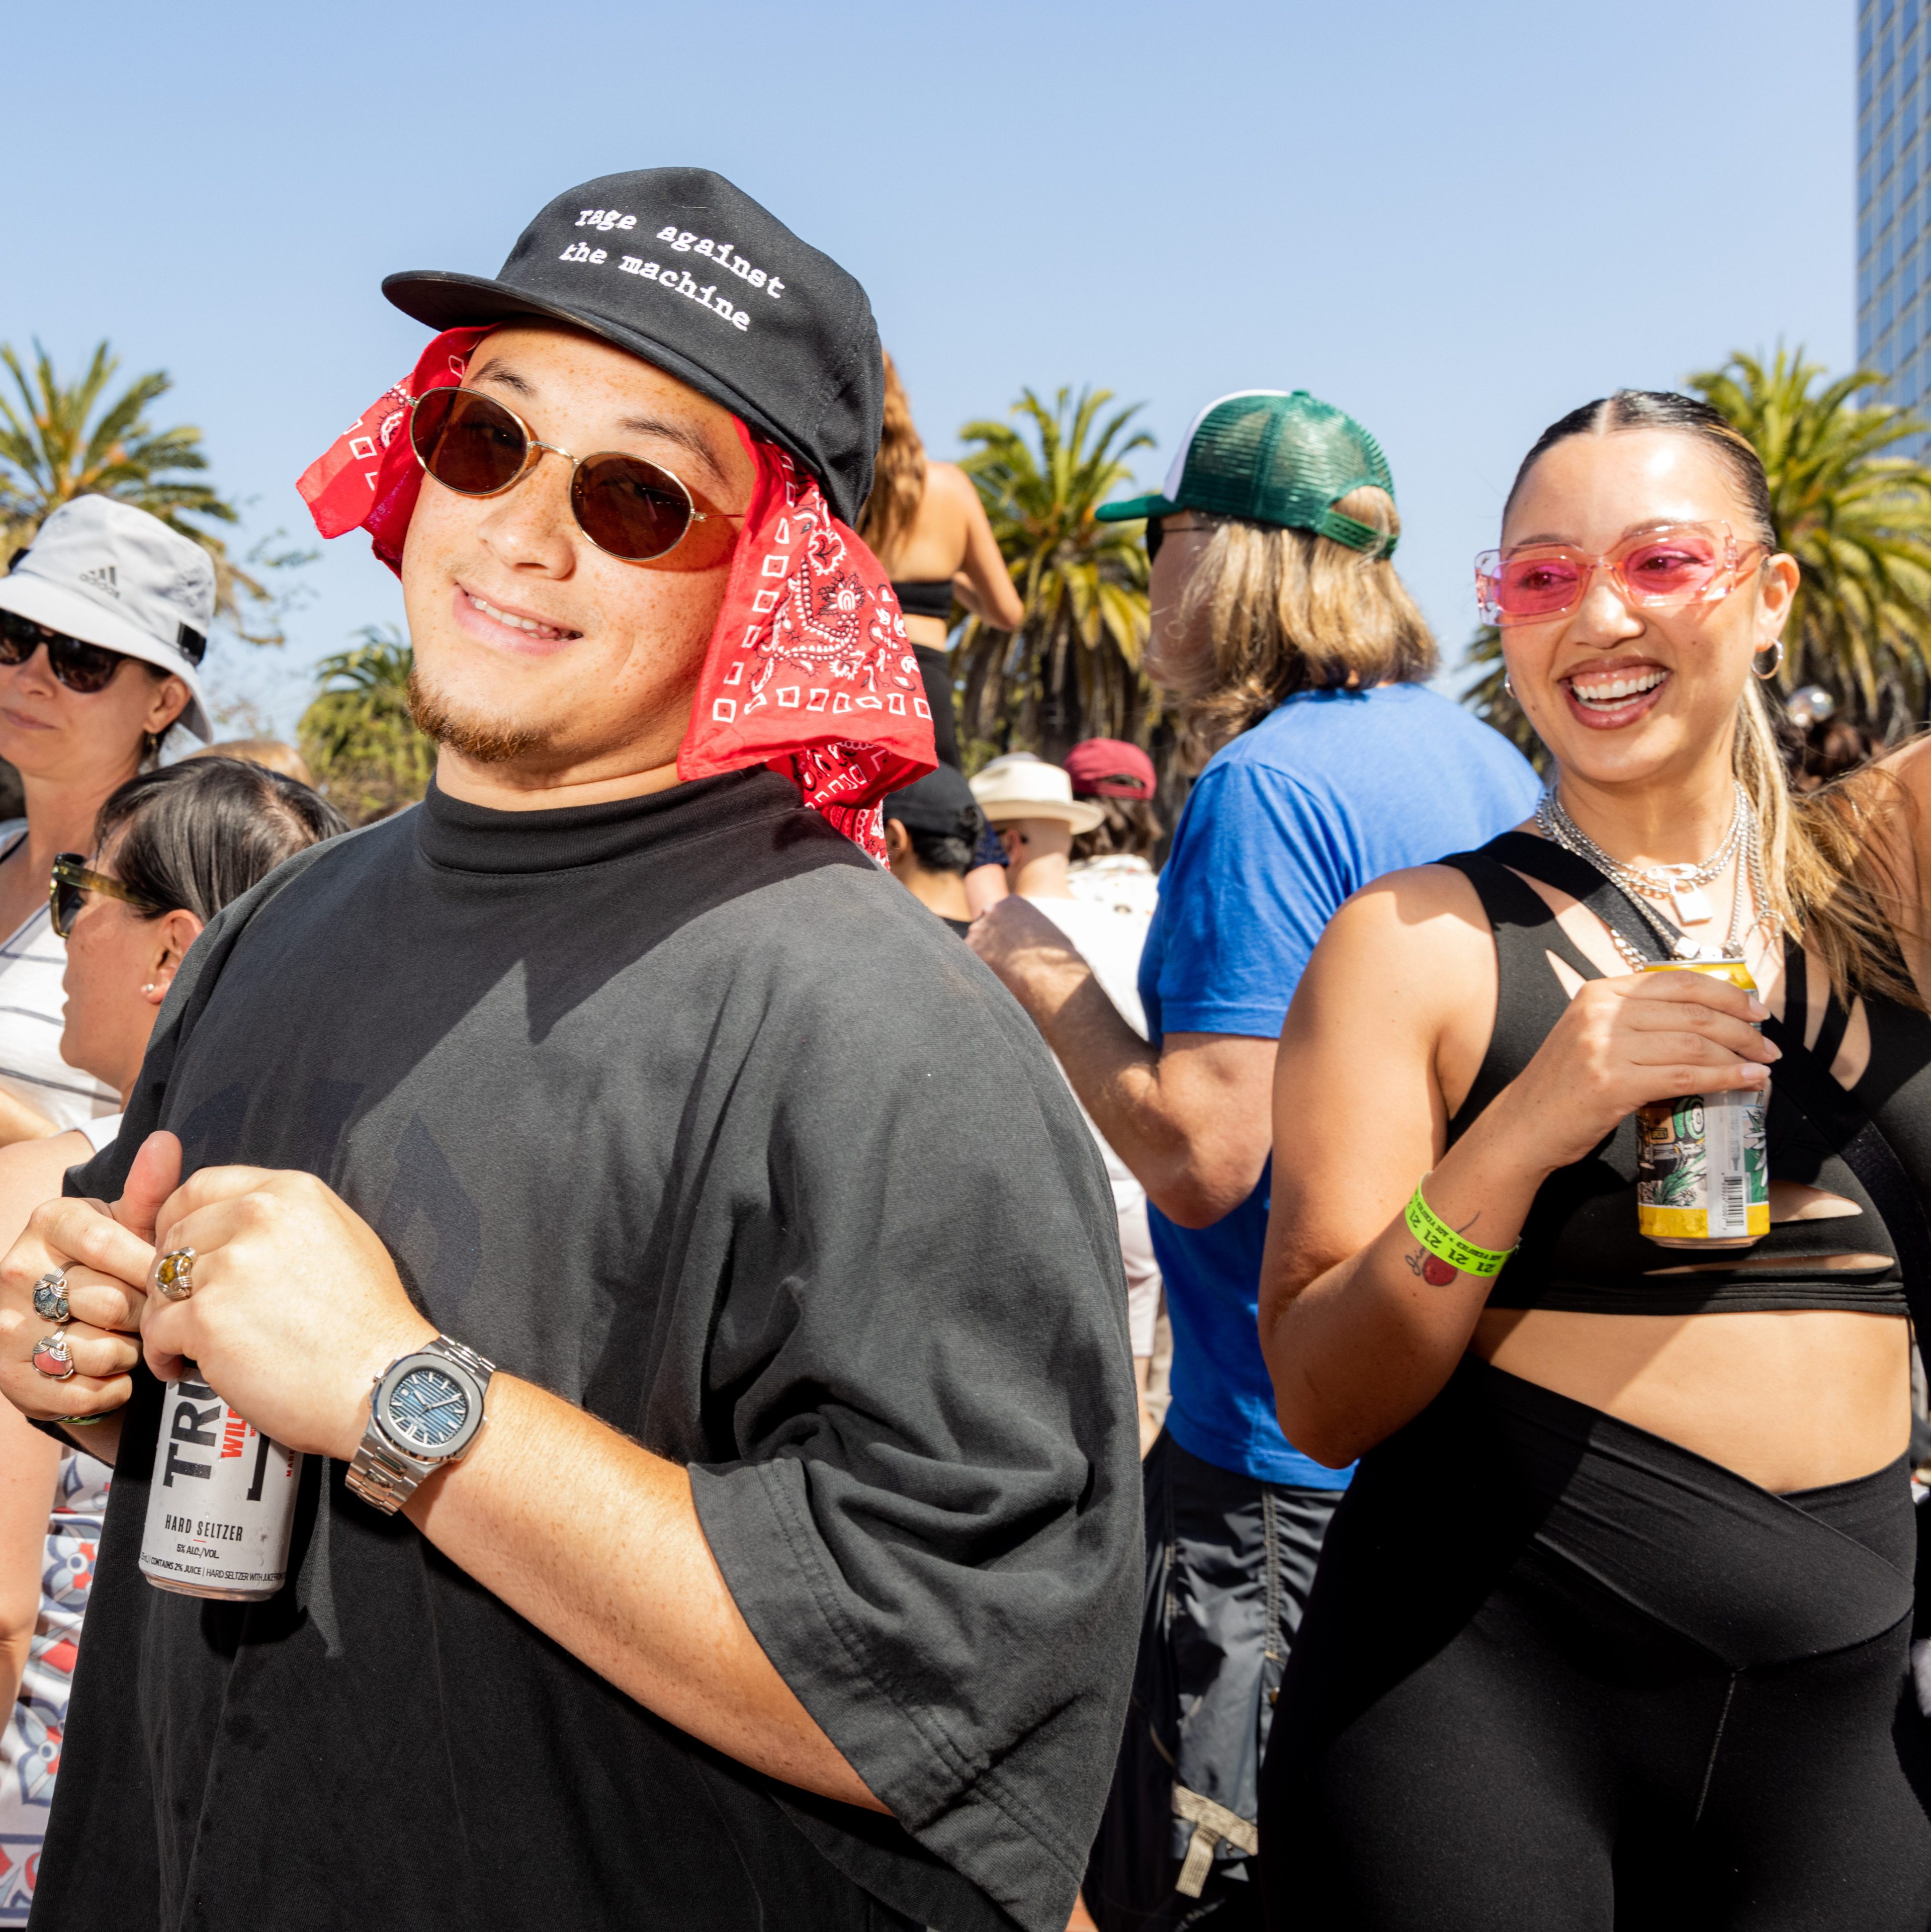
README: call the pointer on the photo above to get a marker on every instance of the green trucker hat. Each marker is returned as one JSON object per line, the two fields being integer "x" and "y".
{"x": 1272, "y": 458}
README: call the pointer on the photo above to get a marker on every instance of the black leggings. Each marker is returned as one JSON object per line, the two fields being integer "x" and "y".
{"x": 1558, "y": 1672}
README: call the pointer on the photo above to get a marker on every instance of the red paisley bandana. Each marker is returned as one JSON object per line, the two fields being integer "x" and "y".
{"x": 808, "y": 671}
{"x": 368, "y": 477}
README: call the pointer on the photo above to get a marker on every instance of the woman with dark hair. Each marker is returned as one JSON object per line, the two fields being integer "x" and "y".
{"x": 170, "y": 849}
{"x": 1612, "y": 1627}
{"x": 103, "y": 620}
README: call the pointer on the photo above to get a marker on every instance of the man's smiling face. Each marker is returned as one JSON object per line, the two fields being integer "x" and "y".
{"x": 538, "y": 657}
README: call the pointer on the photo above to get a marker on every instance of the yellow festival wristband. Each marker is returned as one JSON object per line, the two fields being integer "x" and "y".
{"x": 1442, "y": 1241}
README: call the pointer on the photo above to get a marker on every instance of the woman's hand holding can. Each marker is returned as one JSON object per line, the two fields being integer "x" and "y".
{"x": 1625, "y": 1042}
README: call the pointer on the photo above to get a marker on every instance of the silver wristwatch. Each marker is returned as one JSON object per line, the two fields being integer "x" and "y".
{"x": 426, "y": 1410}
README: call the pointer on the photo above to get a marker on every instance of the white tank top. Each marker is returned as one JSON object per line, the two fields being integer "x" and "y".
{"x": 31, "y": 1017}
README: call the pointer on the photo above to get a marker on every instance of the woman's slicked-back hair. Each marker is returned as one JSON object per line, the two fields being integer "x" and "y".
{"x": 195, "y": 836}
{"x": 1664, "y": 409}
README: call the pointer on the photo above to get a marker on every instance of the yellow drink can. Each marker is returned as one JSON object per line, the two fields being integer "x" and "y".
{"x": 1703, "y": 1159}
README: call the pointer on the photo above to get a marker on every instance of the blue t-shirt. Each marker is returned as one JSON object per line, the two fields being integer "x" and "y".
{"x": 1332, "y": 789}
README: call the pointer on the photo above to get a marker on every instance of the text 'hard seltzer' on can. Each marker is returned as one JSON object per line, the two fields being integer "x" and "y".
{"x": 221, "y": 1505}
{"x": 1703, "y": 1162}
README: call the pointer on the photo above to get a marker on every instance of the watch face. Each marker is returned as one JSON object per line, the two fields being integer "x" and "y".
{"x": 427, "y": 1409}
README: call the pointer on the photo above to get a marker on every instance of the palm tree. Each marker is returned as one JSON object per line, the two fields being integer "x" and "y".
{"x": 1072, "y": 670}
{"x": 59, "y": 441}
{"x": 1855, "y": 514}
{"x": 356, "y": 734}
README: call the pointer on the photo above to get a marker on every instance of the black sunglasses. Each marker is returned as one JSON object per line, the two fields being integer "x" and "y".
{"x": 635, "y": 510}
{"x": 71, "y": 883}
{"x": 81, "y": 667}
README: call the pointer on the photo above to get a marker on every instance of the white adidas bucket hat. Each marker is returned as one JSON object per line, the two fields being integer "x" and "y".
{"x": 112, "y": 575}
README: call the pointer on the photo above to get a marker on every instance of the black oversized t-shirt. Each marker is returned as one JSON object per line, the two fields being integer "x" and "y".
{"x": 679, "y": 1108}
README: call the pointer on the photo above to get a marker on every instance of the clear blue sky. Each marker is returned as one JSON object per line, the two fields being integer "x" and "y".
{"x": 1455, "y": 221}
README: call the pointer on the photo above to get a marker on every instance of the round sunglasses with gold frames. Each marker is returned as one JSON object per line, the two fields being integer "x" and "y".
{"x": 71, "y": 883}
{"x": 634, "y": 510}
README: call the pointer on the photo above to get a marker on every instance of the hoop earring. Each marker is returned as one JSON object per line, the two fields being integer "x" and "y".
{"x": 1775, "y": 662}
{"x": 1508, "y": 683}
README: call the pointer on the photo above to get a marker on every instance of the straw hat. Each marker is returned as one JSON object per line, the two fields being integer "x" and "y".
{"x": 1020, "y": 786}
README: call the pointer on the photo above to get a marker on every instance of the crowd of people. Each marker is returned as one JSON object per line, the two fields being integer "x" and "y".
{"x": 867, "y": 1343}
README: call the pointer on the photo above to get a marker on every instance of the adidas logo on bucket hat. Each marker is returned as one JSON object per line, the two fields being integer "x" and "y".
{"x": 112, "y": 575}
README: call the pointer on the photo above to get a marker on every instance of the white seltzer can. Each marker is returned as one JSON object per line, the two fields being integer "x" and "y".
{"x": 221, "y": 1505}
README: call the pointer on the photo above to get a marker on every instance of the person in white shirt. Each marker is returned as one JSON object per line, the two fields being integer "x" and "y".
{"x": 170, "y": 848}
{"x": 1112, "y": 865}
{"x": 103, "y": 622}
{"x": 1030, "y": 804}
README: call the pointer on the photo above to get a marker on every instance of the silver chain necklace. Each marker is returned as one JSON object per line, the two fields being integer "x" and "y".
{"x": 1682, "y": 886}
{"x": 1643, "y": 883}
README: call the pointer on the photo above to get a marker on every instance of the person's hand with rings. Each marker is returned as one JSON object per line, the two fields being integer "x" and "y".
{"x": 293, "y": 1307}
{"x": 96, "y": 1260}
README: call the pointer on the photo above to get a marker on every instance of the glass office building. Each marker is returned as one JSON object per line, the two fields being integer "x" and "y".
{"x": 1893, "y": 294}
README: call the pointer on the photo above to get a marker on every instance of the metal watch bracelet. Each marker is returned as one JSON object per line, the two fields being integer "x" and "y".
{"x": 385, "y": 1477}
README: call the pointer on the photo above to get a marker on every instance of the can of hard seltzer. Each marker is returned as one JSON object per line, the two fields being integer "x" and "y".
{"x": 1702, "y": 1164}
{"x": 221, "y": 1504}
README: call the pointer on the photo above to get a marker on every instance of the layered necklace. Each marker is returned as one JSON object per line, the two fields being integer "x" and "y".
{"x": 1685, "y": 887}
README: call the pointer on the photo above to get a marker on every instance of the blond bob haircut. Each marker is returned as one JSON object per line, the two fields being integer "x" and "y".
{"x": 1267, "y": 612}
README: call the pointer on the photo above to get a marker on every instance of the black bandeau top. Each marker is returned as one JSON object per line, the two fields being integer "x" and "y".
{"x": 925, "y": 597}
{"x": 1580, "y": 1250}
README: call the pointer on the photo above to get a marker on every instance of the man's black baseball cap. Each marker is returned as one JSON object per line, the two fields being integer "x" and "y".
{"x": 942, "y": 802}
{"x": 678, "y": 267}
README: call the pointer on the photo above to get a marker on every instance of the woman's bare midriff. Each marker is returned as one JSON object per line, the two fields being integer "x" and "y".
{"x": 1793, "y": 1399}
{"x": 930, "y": 631}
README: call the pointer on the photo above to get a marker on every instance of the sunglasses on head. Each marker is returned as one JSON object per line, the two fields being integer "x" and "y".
{"x": 81, "y": 667}
{"x": 1662, "y": 569}
{"x": 71, "y": 883}
{"x": 634, "y": 510}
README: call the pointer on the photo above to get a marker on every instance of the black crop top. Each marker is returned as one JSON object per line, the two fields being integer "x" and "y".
{"x": 1580, "y": 1250}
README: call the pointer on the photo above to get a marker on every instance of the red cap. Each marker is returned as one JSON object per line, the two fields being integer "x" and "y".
{"x": 1109, "y": 768}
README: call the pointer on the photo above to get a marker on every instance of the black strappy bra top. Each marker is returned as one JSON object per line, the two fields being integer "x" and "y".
{"x": 1580, "y": 1250}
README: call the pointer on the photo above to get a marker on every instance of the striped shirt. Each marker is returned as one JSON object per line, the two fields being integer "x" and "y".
{"x": 32, "y": 1019}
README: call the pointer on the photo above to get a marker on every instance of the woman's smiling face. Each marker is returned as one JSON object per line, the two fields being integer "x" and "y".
{"x": 1618, "y": 694}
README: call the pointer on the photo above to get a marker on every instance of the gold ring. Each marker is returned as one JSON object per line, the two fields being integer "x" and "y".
{"x": 174, "y": 1274}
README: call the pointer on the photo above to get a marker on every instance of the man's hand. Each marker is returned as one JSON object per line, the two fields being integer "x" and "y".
{"x": 107, "y": 1254}
{"x": 297, "y": 1307}
{"x": 1190, "y": 1119}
